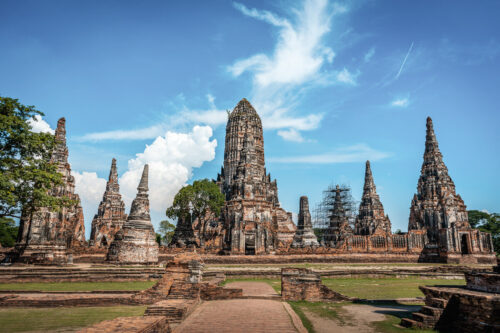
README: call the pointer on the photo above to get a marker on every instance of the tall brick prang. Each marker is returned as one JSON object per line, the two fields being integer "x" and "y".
{"x": 436, "y": 205}
{"x": 254, "y": 222}
{"x": 136, "y": 242}
{"x": 47, "y": 235}
{"x": 371, "y": 218}
{"x": 110, "y": 215}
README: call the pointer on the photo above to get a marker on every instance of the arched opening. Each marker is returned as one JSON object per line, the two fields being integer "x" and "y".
{"x": 104, "y": 242}
{"x": 250, "y": 244}
{"x": 465, "y": 244}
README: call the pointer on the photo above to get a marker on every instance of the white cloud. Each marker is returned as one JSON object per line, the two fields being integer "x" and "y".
{"x": 182, "y": 116}
{"x": 291, "y": 135}
{"x": 90, "y": 188}
{"x": 368, "y": 56}
{"x": 38, "y": 125}
{"x": 296, "y": 63}
{"x": 350, "y": 154}
{"x": 401, "y": 102}
{"x": 344, "y": 76}
{"x": 171, "y": 160}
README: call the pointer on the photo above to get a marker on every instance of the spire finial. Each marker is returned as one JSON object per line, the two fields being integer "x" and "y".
{"x": 113, "y": 174}
{"x": 143, "y": 185}
{"x": 61, "y": 130}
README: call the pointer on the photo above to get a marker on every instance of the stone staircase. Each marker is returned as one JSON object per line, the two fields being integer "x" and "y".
{"x": 428, "y": 316}
{"x": 175, "y": 310}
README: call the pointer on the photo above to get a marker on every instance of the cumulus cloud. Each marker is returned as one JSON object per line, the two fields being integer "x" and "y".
{"x": 291, "y": 135}
{"x": 90, "y": 188}
{"x": 401, "y": 102}
{"x": 296, "y": 62}
{"x": 38, "y": 125}
{"x": 171, "y": 158}
{"x": 350, "y": 154}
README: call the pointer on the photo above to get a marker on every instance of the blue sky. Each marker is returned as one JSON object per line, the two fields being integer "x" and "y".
{"x": 335, "y": 83}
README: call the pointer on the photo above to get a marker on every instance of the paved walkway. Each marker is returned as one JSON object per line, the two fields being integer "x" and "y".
{"x": 254, "y": 289}
{"x": 244, "y": 315}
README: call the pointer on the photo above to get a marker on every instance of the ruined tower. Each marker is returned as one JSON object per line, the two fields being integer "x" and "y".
{"x": 254, "y": 221}
{"x": 136, "y": 243}
{"x": 371, "y": 218}
{"x": 110, "y": 215}
{"x": 304, "y": 235}
{"x": 46, "y": 236}
{"x": 436, "y": 205}
{"x": 339, "y": 228}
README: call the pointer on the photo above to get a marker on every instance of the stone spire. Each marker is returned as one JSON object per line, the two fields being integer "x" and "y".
{"x": 436, "y": 204}
{"x": 371, "y": 218}
{"x": 47, "y": 234}
{"x": 304, "y": 235}
{"x": 110, "y": 215}
{"x": 136, "y": 242}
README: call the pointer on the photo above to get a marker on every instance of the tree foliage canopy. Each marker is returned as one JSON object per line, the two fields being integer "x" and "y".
{"x": 26, "y": 172}
{"x": 8, "y": 232}
{"x": 204, "y": 196}
{"x": 488, "y": 223}
{"x": 167, "y": 230}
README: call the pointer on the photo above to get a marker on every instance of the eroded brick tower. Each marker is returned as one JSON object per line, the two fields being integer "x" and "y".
{"x": 371, "y": 218}
{"x": 254, "y": 221}
{"x": 436, "y": 205}
{"x": 46, "y": 236}
{"x": 110, "y": 215}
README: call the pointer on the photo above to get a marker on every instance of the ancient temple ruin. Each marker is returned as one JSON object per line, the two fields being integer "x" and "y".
{"x": 304, "y": 235}
{"x": 110, "y": 215}
{"x": 339, "y": 229}
{"x": 438, "y": 210}
{"x": 253, "y": 220}
{"x": 136, "y": 243}
{"x": 47, "y": 235}
{"x": 371, "y": 218}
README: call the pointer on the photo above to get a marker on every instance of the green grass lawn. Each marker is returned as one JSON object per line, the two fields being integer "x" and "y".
{"x": 368, "y": 288}
{"x": 384, "y": 288}
{"x": 78, "y": 286}
{"x": 44, "y": 319}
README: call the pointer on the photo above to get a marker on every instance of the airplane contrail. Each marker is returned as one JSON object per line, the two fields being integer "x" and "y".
{"x": 404, "y": 61}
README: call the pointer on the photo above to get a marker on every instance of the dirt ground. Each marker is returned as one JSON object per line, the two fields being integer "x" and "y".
{"x": 355, "y": 318}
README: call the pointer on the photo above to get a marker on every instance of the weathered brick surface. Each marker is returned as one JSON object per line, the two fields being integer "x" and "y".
{"x": 149, "y": 324}
{"x": 483, "y": 281}
{"x": 301, "y": 284}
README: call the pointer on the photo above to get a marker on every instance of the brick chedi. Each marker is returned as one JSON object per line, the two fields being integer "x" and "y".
{"x": 371, "y": 218}
{"x": 110, "y": 215}
{"x": 339, "y": 229}
{"x": 136, "y": 243}
{"x": 46, "y": 236}
{"x": 436, "y": 204}
{"x": 304, "y": 236}
{"x": 254, "y": 222}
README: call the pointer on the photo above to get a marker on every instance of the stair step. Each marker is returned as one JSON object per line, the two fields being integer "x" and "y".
{"x": 409, "y": 323}
{"x": 431, "y": 311}
{"x": 424, "y": 319}
{"x": 437, "y": 302}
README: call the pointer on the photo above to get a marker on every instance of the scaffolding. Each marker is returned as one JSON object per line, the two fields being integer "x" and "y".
{"x": 337, "y": 204}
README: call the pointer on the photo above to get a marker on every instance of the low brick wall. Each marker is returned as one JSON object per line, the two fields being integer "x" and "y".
{"x": 483, "y": 281}
{"x": 301, "y": 284}
{"x": 149, "y": 324}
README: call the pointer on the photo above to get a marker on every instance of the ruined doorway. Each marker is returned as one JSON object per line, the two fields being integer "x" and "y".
{"x": 250, "y": 244}
{"x": 104, "y": 242}
{"x": 465, "y": 244}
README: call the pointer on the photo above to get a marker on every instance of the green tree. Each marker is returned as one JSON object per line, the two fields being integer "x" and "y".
{"x": 8, "y": 232}
{"x": 167, "y": 230}
{"x": 26, "y": 172}
{"x": 203, "y": 198}
{"x": 158, "y": 238}
{"x": 488, "y": 223}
